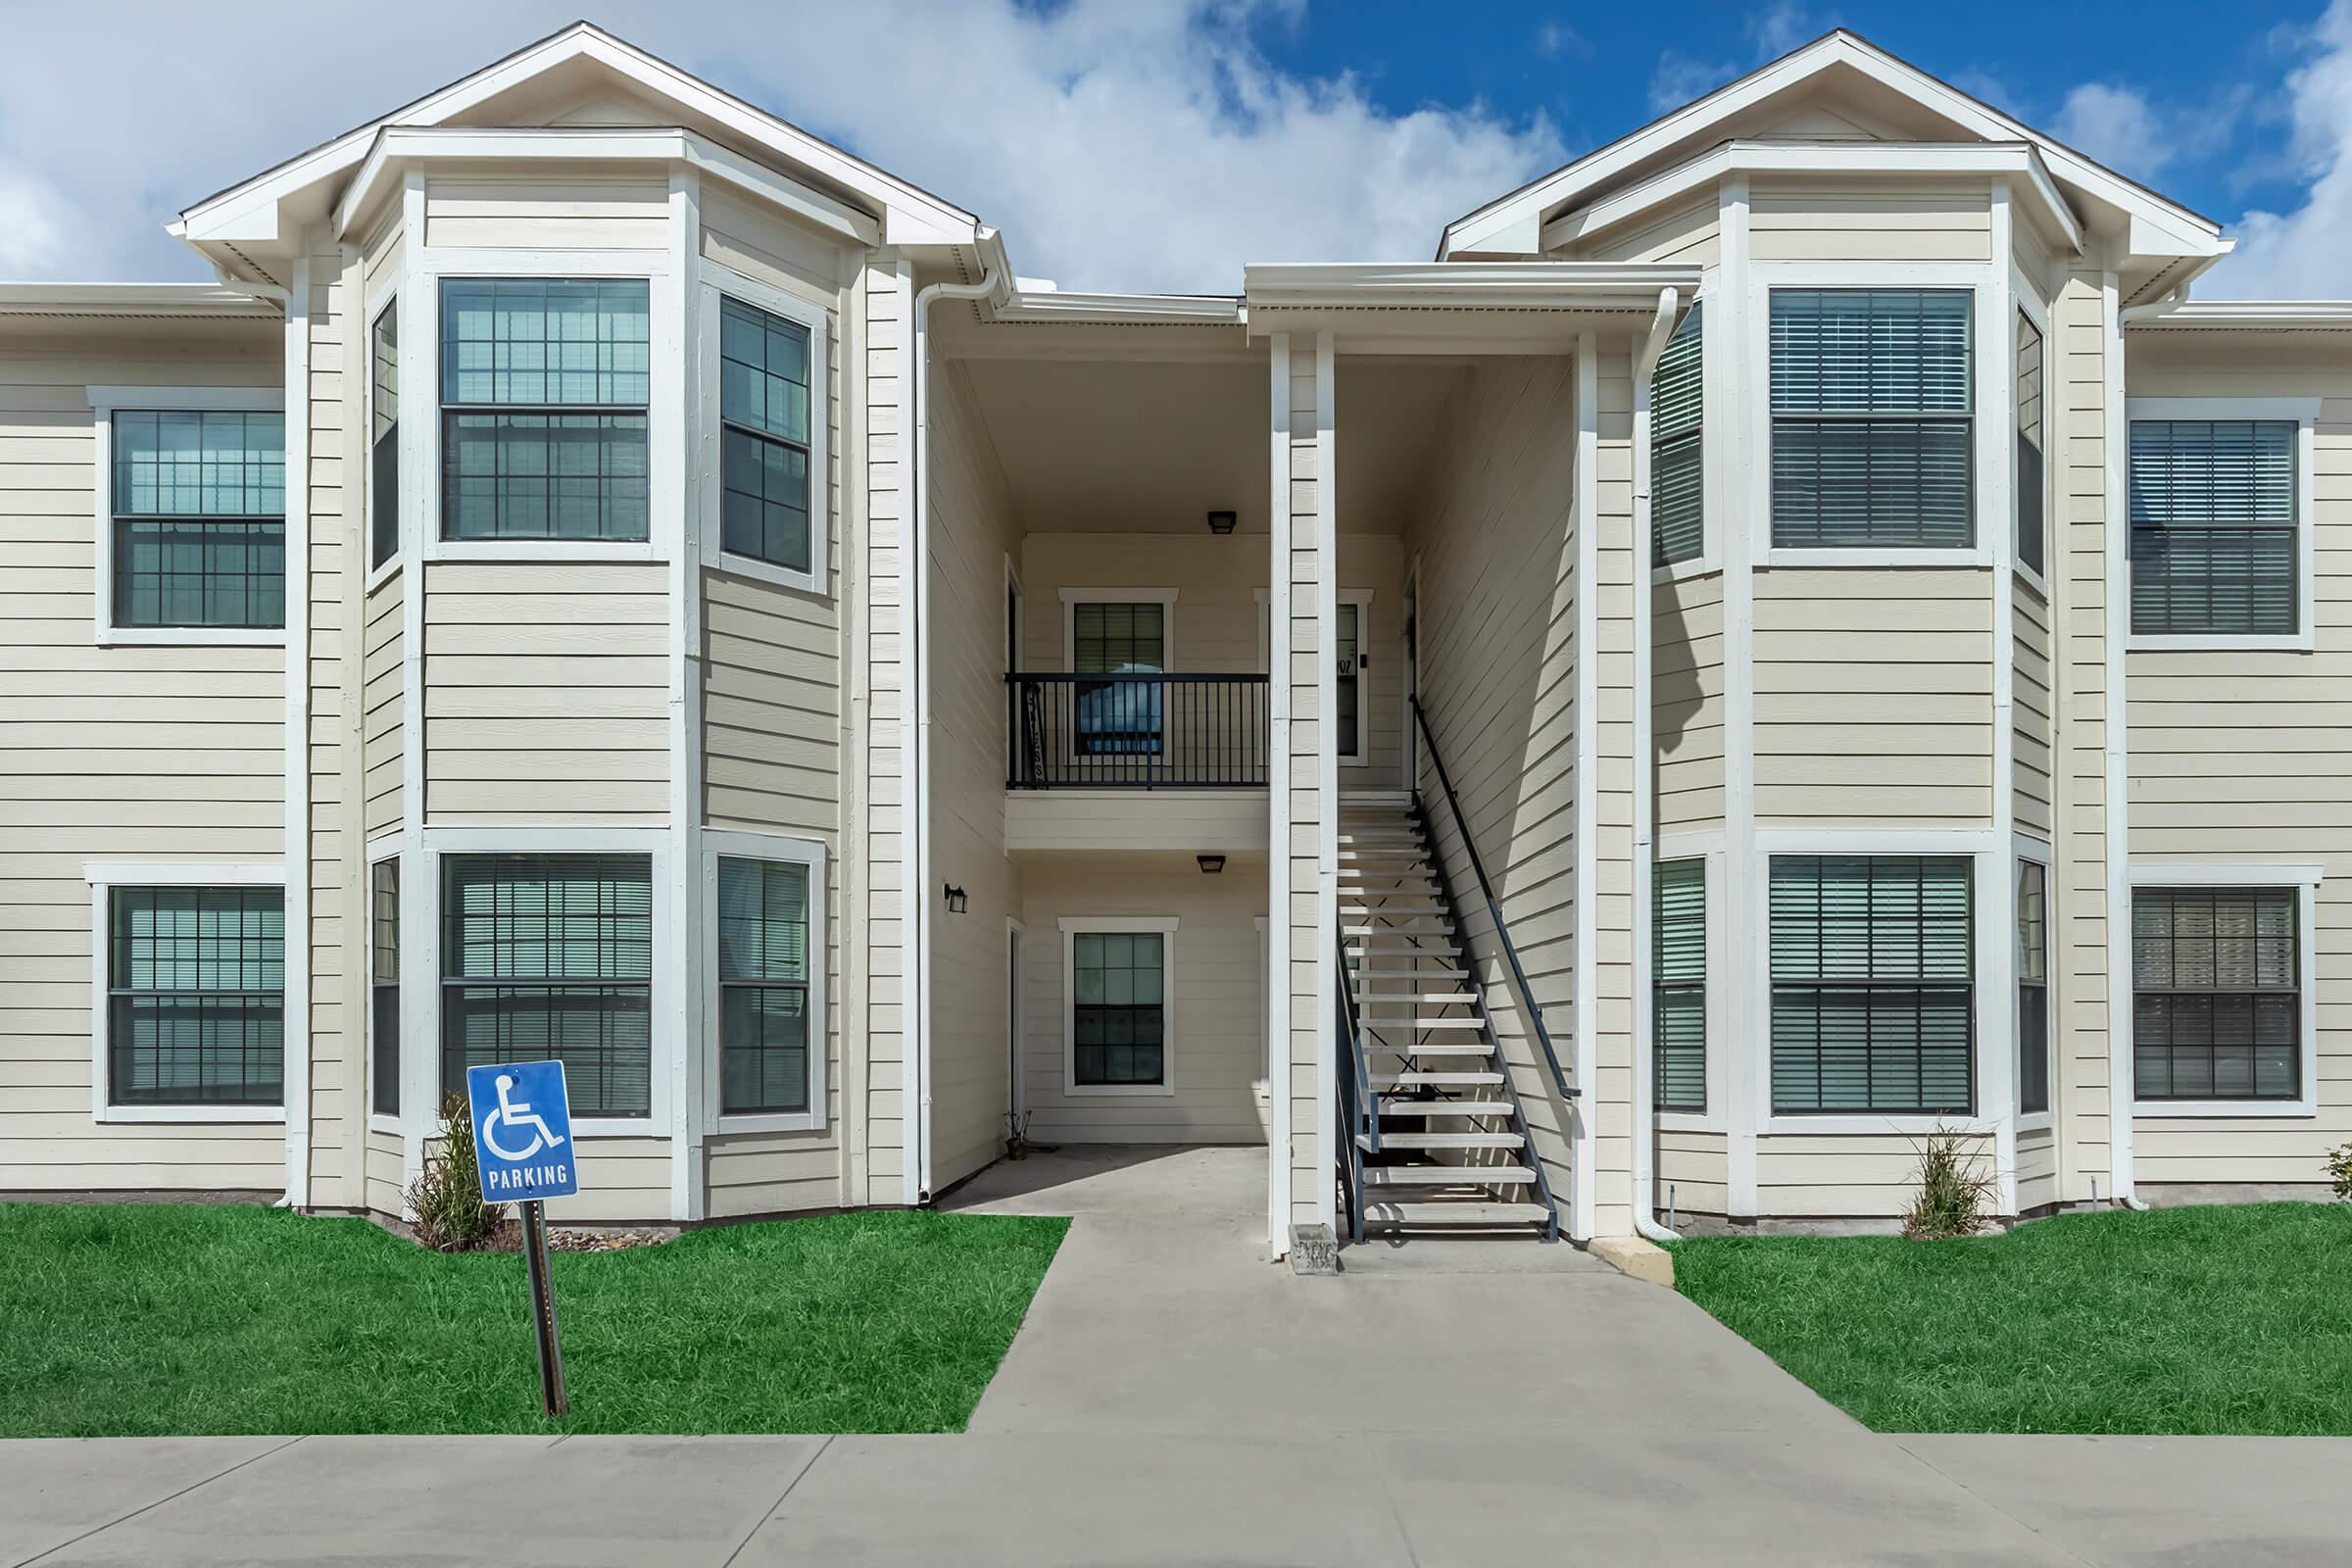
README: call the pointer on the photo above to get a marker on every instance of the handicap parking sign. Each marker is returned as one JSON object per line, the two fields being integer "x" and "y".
{"x": 522, "y": 1132}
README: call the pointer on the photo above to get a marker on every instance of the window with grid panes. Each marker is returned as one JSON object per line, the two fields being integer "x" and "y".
{"x": 1117, "y": 1008}
{"x": 199, "y": 519}
{"x": 1119, "y": 717}
{"x": 764, "y": 942}
{"x": 2032, "y": 988}
{"x": 2213, "y": 526}
{"x": 1871, "y": 418}
{"x": 544, "y": 388}
{"x": 196, "y": 984}
{"x": 1348, "y": 633}
{"x": 383, "y": 988}
{"x": 763, "y": 410}
{"x": 1679, "y": 983}
{"x": 383, "y": 436}
{"x": 2031, "y": 531}
{"x": 1677, "y": 446}
{"x": 1873, "y": 972}
{"x": 551, "y": 955}
{"x": 2217, "y": 1005}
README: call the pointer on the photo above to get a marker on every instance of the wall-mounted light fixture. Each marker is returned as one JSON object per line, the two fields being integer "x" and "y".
{"x": 1222, "y": 521}
{"x": 958, "y": 902}
{"x": 1211, "y": 864}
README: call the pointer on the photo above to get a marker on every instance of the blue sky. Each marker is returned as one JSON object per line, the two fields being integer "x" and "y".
{"x": 1160, "y": 144}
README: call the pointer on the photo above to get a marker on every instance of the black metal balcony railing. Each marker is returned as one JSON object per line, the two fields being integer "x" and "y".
{"x": 1136, "y": 731}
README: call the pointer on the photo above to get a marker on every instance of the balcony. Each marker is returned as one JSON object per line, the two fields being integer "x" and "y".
{"x": 1136, "y": 731}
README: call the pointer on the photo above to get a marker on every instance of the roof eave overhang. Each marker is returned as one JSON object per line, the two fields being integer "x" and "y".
{"x": 2251, "y": 316}
{"x": 1454, "y": 307}
{"x": 190, "y": 301}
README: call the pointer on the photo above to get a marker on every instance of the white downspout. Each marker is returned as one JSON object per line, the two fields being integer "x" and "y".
{"x": 915, "y": 767}
{"x": 1645, "y": 1107}
{"x": 296, "y": 1030}
{"x": 2116, "y": 822}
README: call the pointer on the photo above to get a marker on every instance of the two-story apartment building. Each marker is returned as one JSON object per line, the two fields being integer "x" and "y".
{"x": 1794, "y": 631}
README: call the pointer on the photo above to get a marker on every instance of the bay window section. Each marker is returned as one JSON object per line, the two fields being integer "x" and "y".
{"x": 764, "y": 994}
{"x": 1873, "y": 984}
{"x": 1872, "y": 426}
{"x": 195, "y": 1005}
{"x": 551, "y": 957}
{"x": 2212, "y": 510}
{"x": 763, "y": 410}
{"x": 545, "y": 385}
{"x": 1677, "y": 447}
{"x": 199, "y": 520}
{"x": 2217, "y": 1005}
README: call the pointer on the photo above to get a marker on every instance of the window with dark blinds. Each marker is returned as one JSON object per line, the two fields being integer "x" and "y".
{"x": 1676, "y": 404}
{"x": 2032, "y": 988}
{"x": 2031, "y": 529}
{"x": 196, "y": 992}
{"x": 2213, "y": 526}
{"x": 2216, "y": 1013}
{"x": 383, "y": 988}
{"x": 1870, "y": 417}
{"x": 1679, "y": 983}
{"x": 383, "y": 438}
{"x": 1873, "y": 972}
{"x": 199, "y": 519}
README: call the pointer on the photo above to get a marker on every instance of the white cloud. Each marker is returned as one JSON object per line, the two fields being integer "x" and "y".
{"x": 2306, "y": 253}
{"x": 1682, "y": 78}
{"x": 1118, "y": 143}
{"x": 2117, "y": 126}
{"x": 1779, "y": 27}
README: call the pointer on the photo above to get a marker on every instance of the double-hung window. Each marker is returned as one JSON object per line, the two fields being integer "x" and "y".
{"x": 2033, "y": 989}
{"x": 766, "y": 1045}
{"x": 1677, "y": 447}
{"x": 1679, "y": 984}
{"x": 195, "y": 1005}
{"x": 763, "y": 412}
{"x": 1873, "y": 984}
{"x": 1118, "y": 1009}
{"x": 551, "y": 955}
{"x": 1871, "y": 418}
{"x": 1348, "y": 632}
{"x": 2217, "y": 1005}
{"x": 199, "y": 519}
{"x": 2214, "y": 508}
{"x": 383, "y": 438}
{"x": 544, "y": 390}
{"x": 383, "y": 988}
{"x": 1122, "y": 717}
{"x": 2031, "y": 530}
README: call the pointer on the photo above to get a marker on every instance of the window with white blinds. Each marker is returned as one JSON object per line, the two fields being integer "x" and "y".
{"x": 1871, "y": 418}
{"x": 2216, "y": 1011}
{"x": 1679, "y": 984}
{"x": 1873, "y": 984}
{"x": 1676, "y": 408}
{"x": 2213, "y": 526}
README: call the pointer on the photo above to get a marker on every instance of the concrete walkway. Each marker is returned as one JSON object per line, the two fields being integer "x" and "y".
{"x": 1172, "y": 1400}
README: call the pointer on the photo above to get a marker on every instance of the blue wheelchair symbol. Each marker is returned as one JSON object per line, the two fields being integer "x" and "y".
{"x": 522, "y": 1131}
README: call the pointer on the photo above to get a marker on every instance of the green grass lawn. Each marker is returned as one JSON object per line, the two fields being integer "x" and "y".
{"x": 2186, "y": 1320}
{"x": 121, "y": 1319}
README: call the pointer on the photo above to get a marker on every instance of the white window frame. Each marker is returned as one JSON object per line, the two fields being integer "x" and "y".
{"x": 424, "y": 949}
{"x": 714, "y": 282}
{"x": 809, "y": 854}
{"x": 1072, "y": 598}
{"x": 379, "y": 1120}
{"x": 2305, "y": 880}
{"x": 2029, "y": 305}
{"x": 2304, "y": 412}
{"x": 2039, "y": 853}
{"x": 1117, "y": 925}
{"x": 104, "y": 877}
{"x": 1361, "y": 599}
{"x": 1718, "y": 392}
{"x": 1993, "y": 406}
{"x": 1707, "y": 847}
{"x": 105, "y": 403}
{"x": 377, "y": 575}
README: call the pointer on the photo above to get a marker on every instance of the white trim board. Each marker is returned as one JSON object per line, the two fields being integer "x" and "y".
{"x": 1072, "y": 927}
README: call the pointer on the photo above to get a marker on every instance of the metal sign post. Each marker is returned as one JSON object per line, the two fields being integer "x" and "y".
{"x": 522, "y": 1147}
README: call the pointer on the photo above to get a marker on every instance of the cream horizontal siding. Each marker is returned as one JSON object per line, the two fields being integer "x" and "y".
{"x": 1686, "y": 701}
{"x": 1857, "y": 220}
{"x": 1873, "y": 697}
{"x": 622, "y": 1181}
{"x": 773, "y": 1173}
{"x": 1188, "y": 821}
{"x": 2032, "y": 709}
{"x": 1692, "y": 1173}
{"x": 882, "y": 848}
{"x": 1846, "y": 1175}
{"x": 1685, "y": 235}
{"x": 591, "y": 207}
{"x": 1218, "y": 1032}
{"x": 385, "y": 1194}
{"x": 2036, "y": 1170}
{"x": 133, "y": 753}
{"x": 383, "y": 706}
{"x": 771, "y": 707}
{"x": 546, "y": 693}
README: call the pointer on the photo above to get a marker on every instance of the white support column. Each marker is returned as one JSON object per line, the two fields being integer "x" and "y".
{"x": 301, "y": 954}
{"x": 1278, "y": 794}
{"x": 1585, "y": 1051}
{"x": 1743, "y": 1023}
{"x": 1997, "y": 1048}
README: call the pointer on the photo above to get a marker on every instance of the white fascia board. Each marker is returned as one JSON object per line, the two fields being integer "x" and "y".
{"x": 2261, "y": 315}
{"x": 1461, "y": 285}
{"x": 2016, "y": 160}
{"x": 198, "y": 300}
{"x": 1112, "y": 310}
{"x": 380, "y": 176}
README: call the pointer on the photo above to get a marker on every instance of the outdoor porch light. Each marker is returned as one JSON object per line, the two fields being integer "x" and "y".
{"x": 958, "y": 902}
{"x": 1221, "y": 521}
{"x": 1211, "y": 864}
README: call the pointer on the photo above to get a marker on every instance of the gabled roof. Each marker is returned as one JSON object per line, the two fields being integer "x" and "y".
{"x": 1513, "y": 224}
{"x": 258, "y": 215}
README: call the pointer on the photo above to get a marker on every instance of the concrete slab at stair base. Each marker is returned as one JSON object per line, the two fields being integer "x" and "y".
{"x": 1630, "y": 1254}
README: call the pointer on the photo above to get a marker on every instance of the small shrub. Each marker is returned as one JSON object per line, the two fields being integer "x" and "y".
{"x": 2340, "y": 1171}
{"x": 447, "y": 1198}
{"x": 1954, "y": 1190}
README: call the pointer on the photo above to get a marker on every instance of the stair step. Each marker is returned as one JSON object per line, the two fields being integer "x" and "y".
{"x": 1460, "y": 1213}
{"x": 1394, "y": 1020}
{"x": 1444, "y": 999}
{"x": 1388, "y": 1082}
{"x": 1443, "y": 1048}
{"x": 1376, "y": 900}
{"x": 1445, "y": 1141}
{"x": 1448, "y": 1176}
{"x": 1445, "y": 1108}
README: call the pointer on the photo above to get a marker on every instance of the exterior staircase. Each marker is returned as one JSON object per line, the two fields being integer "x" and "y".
{"x": 1440, "y": 1140}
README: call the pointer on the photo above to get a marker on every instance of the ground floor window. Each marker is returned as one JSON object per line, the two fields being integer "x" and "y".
{"x": 551, "y": 955}
{"x": 2033, "y": 989}
{"x": 1873, "y": 984}
{"x": 383, "y": 988}
{"x": 195, "y": 1006}
{"x": 2217, "y": 1007}
{"x": 1119, "y": 1007}
{"x": 764, "y": 1010}
{"x": 1679, "y": 984}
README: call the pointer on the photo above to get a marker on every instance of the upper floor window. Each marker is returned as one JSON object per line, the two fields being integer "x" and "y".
{"x": 383, "y": 438}
{"x": 764, "y": 413}
{"x": 2031, "y": 529}
{"x": 545, "y": 385}
{"x": 199, "y": 519}
{"x": 1871, "y": 418}
{"x": 1676, "y": 405}
{"x": 2214, "y": 509}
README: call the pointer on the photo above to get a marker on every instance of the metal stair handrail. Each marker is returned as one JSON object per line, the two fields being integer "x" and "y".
{"x": 1359, "y": 1111}
{"x": 1502, "y": 929}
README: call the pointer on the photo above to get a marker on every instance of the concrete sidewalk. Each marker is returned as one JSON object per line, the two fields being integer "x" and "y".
{"x": 1172, "y": 1400}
